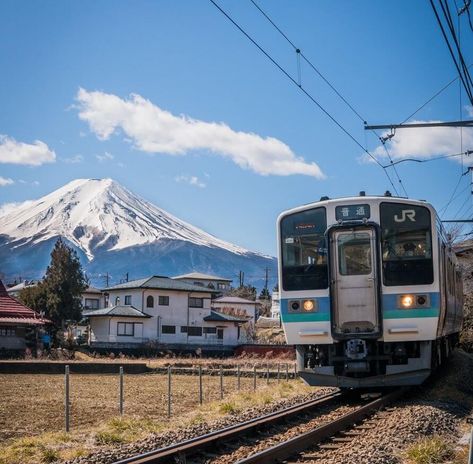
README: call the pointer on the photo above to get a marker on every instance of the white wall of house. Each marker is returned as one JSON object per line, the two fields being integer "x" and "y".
{"x": 90, "y": 300}
{"x": 167, "y": 320}
{"x": 220, "y": 285}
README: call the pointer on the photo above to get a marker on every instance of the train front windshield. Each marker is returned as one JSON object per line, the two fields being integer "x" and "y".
{"x": 406, "y": 244}
{"x": 304, "y": 250}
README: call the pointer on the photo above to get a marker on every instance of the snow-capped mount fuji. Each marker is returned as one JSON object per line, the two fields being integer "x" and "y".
{"x": 115, "y": 232}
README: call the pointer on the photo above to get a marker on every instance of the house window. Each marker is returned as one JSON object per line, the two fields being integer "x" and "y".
{"x": 126, "y": 329}
{"x": 128, "y": 300}
{"x": 210, "y": 330}
{"x": 196, "y": 302}
{"x": 117, "y": 300}
{"x": 91, "y": 303}
{"x": 221, "y": 286}
{"x": 199, "y": 284}
{"x": 194, "y": 331}
{"x": 184, "y": 329}
{"x": 163, "y": 300}
{"x": 150, "y": 302}
{"x": 168, "y": 329}
{"x": 7, "y": 331}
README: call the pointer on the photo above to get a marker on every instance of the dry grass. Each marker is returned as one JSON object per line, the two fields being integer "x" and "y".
{"x": 32, "y": 410}
{"x": 433, "y": 450}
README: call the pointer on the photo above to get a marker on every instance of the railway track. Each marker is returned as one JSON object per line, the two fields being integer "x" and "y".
{"x": 209, "y": 447}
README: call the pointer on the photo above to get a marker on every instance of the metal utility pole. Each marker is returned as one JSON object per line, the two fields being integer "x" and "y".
{"x": 266, "y": 279}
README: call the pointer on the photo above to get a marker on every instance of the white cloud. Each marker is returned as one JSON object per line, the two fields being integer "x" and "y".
{"x": 76, "y": 159}
{"x": 469, "y": 110}
{"x": 191, "y": 180}
{"x": 6, "y": 181}
{"x": 33, "y": 154}
{"x": 425, "y": 142}
{"x": 10, "y": 207}
{"x": 105, "y": 157}
{"x": 154, "y": 130}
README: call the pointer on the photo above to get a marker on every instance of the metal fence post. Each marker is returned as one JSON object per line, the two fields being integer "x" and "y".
{"x": 470, "y": 454}
{"x": 295, "y": 371}
{"x": 169, "y": 391}
{"x": 221, "y": 383}
{"x": 121, "y": 391}
{"x": 267, "y": 374}
{"x": 287, "y": 373}
{"x": 201, "y": 393}
{"x": 238, "y": 378}
{"x": 254, "y": 377}
{"x": 279, "y": 372}
{"x": 66, "y": 401}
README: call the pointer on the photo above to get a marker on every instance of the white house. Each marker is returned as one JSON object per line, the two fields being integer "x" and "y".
{"x": 239, "y": 307}
{"x": 164, "y": 311}
{"x": 221, "y": 284}
{"x": 275, "y": 308}
{"x": 93, "y": 298}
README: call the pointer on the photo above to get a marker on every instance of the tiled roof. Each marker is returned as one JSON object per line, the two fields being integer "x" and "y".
{"x": 13, "y": 311}
{"x": 199, "y": 275}
{"x": 92, "y": 290}
{"x": 163, "y": 283}
{"x": 219, "y": 317}
{"x": 118, "y": 311}
{"x": 234, "y": 299}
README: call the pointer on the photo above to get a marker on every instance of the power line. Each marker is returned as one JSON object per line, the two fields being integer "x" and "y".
{"x": 299, "y": 53}
{"x": 302, "y": 89}
{"x": 427, "y": 160}
{"x": 466, "y": 87}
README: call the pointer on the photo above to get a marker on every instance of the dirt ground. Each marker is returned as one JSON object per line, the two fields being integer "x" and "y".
{"x": 32, "y": 404}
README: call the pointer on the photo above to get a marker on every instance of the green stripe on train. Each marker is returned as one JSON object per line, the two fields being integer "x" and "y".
{"x": 410, "y": 313}
{"x": 306, "y": 317}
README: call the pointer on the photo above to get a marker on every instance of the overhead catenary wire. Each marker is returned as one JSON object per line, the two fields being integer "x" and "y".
{"x": 303, "y": 90}
{"x": 444, "y": 34}
{"x": 300, "y": 54}
{"x": 435, "y": 158}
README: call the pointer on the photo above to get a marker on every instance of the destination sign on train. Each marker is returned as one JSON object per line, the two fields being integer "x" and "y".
{"x": 352, "y": 212}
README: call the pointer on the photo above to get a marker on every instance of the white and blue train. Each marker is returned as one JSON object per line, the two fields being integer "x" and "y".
{"x": 370, "y": 290}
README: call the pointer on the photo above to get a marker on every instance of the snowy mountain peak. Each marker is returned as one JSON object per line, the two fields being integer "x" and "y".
{"x": 100, "y": 214}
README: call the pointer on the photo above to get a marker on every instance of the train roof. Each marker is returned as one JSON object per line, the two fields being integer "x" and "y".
{"x": 325, "y": 201}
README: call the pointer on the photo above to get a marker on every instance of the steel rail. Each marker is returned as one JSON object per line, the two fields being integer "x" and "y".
{"x": 307, "y": 440}
{"x": 197, "y": 444}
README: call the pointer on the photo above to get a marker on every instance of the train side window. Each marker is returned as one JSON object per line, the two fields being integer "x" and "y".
{"x": 406, "y": 235}
{"x": 304, "y": 250}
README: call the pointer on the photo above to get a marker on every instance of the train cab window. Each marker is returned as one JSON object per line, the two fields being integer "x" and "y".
{"x": 354, "y": 254}
{"x": 304, "y": 250}
{"x": 406, "y": 244}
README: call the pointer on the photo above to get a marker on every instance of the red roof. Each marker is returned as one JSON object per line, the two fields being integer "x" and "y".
{"x": 13, "y": 311}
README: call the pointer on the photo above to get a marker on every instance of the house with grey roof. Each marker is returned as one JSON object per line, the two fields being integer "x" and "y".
{"x": 222, "y": 284}
{"x": 162, "y": 311}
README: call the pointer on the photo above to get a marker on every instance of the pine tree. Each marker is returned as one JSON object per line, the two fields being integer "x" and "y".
{"x": 63, "y": 284}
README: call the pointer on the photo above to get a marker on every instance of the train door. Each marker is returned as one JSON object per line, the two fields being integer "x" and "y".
{"x": 354, "y": 282}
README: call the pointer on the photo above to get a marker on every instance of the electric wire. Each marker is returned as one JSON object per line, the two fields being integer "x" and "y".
{"x": 304, "y": 91}
{"x": 337, "y": 92}
{"x": 449, "y": 19}
{"x": 453, "y": 197}
{"x": 466, "y": 87}
{"x": 435, "y": 158}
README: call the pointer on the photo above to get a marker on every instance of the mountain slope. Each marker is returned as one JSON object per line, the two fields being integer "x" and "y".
{"x": 114, "y": 231}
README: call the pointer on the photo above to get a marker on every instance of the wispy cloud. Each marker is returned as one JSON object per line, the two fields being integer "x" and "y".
{"x": 35, "y": 154}
{"x": 10, "y": 207}
{"x": 105, "y": 157}
{"x": 76, "y": 159}
{"x": 191, "y": 180}
{"x": 6, "y": 181}
{"x": 426, "y": 142}
{"x": 154, "y": 130}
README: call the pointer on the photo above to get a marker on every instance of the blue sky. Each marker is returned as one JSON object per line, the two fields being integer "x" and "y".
{"x": 170, "y": 100}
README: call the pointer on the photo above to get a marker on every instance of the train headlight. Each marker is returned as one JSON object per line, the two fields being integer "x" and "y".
{"x": 308, "y": 305}
{"x": 407, "y": 301}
